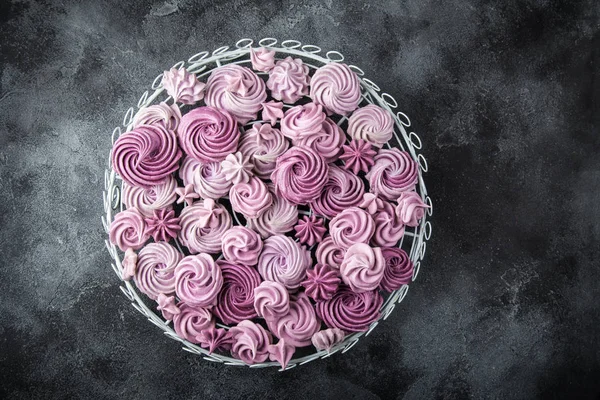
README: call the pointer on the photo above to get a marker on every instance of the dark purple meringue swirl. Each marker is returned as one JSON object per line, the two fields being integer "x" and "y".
{"x": 146, "y": 155}
{"x": 342, "y": 190}
{"x": 208, "y": 134}
{"x": 398, "y": 269}
{"x": 394, "y": 172}
{"x": 349, "y": 311}
{"x": 235, "y": 302}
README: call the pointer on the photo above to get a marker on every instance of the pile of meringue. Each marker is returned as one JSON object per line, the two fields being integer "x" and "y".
{"x": 289, "y": 226}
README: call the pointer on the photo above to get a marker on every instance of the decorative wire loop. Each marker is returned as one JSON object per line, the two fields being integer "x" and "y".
{"x": 403, "y": 291}
{"x": 404, "y": 120}
{"x": 142, "y": 101}
{"x": 415, "y": 140}
{"x": 128, "y": 117}
{"x": 311, "y": 49}
{"x": 422, "y": 162}
{"x": 115, "y": 134}
{"x": 357, "y": 70}
{"x": 416, "y": 271}
{"x": 389, "y": 100}
{"x": 371, "y": 84}
{"x": 220, "y": 50}
{"x": 157, "y": 83}
{"x": 244, "y": 43}
{"x": 198, "y": 57}
{"x": 267, "y": 42}
{"x": 423, "y": 248}
{"x": 350, "y": 345}
{"x": 116, "y": 197}
{"x": 334, "y": 56}
{"x": 430, "y": 204}
{"x": 178, "y": 65}
{"x": 428, "y": 230}
{"x": 291, "y": 44}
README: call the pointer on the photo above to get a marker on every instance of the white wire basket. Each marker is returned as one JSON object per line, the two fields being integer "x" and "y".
{"x": 202, "y": 64}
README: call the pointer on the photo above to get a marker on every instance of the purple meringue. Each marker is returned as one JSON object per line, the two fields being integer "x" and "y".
{"x": 208, "y": 178}
{"x": 288, "y": 80}
{"x": 155, "y": 269}
{"x": 263, "y": 144}
{"x": 271, "y": 300}
{"x": 389, "y": 228}
{"x": 363, "y": 267}
{"x": 302, "y": 122}
{"x": 358, "y": 156}
{"x": 342, "y": 191}
{"x": 237, "y": 168}
{"x": 203, "y": 225}
{"x": 129, "y": 264}
{"x": 250, "y": 342}
{"x": 272, "y": 111}
{"x": 198, "y": 280}
{"x": 128, "y": 230}
{"x": 283, "y": 260}
{"x": 328, "y": 143}
{"x": 410, "y": 208}
{"x": 327, "y": 338}
{"x": 394, "y": 172}
{"x": 262, "y": 60}
{"x": 183, "y": 86}
{"x": 310, "y": 230}
{"x": 371, "y": 123}
{"x": 298, "y": 325}
{"x": 163, "y": 225}
{"x": 353, "y": 225}
{"x": 147, "y": 200}
{"x": 330, "y": 254}
{"x": 336, "y": 87}
{"x": 241, "y": 245}
{"x": 321, "y": 282}
{"x": 235, "y": 301}
{"x": 167, "y": 306}
{"x": 350, "y": 311}
{"x": 279, "y": 218}
{"x": 398, "y": 269}
{"x": 214, "y": 339}
{"x": 250, "y": 199}
{"x": 163, "y": 115}
{"x": 281, "y": 352}
{"x": 191, "y": 321}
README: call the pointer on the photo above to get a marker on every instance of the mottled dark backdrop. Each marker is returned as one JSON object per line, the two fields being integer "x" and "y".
{"x": 505, "y": 98}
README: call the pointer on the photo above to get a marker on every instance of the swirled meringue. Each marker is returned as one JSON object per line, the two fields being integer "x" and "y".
{"x": 203, "y": 225}
{"x": 288, "y": 80}
{"x": 128, "y": 230}
{"x": 186, "y": 194}
{"x": 198, "y": 280}
{"x": 283, "y": 260}
{"x": 146, "y": 156}
{"x": 350, "y": 311}
{"x": 129, "y": 264}
{"x": 208, "y": 178}
{"x": 271, "y": 300}
{"x": 371, "y": 203}
{"x": 299, "y": 175}
{"x": 310, "y": 230}
{"x": 235, "y": 301}
{"x": 215, "y": 339}
{"x": 389, "y": 229}
{"x": 371, "y": 123}
{"x": 183, "y": 86}
{"x": 342, "y": 191}
{"x": 363, "y": 267}
{"x": 281, "y": 352}
{"x": 263, "y": 144}
{"x": 155, "y": 269}
{"x": 321, "y": 282}
{"x": 336, "y": 87}
{"x": 250, "y": 199}
{"x": 163, "y": 225}
{"x": 147, "y": 200}
{"x": 410, "y": 208}
{"x": 327, "y": 338}
{"x": 303, "y": 121}
{"x": 250, "y": 342}
{"x": 398, "y": 269}
{"x": 241, "y": 245}
{"x": 236, "y": 89}
{"x": 353, "y": 225}
{"x": 328, "y": 143}
{"x": 167, "y": 306}
{"x": 394, "y": 172}
{"x": 298, "y": 325}
{"x": 237, "y": 168}
{"x": 329, "y": 253}
{"x": 272, "y": 111}
{"x": 191, "y": 321}
{"x": 163, "y": 115}
{"x": 279, "y": 218}
{"x": 358, "y": 156}
{"x": 262, "y": 60}
{"x": 208, "y": 134}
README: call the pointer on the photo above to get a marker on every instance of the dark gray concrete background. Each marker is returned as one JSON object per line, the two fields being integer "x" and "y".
{"x": 504, "y": 97}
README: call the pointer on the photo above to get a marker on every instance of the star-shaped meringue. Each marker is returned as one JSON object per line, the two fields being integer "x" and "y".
{"x": 310, "y": 230}
{"x": 186, "y": 194}
{"x": 281, "y": 352}
{"x": 129, "y": 264}
{"x": 321, "y": 282}
{"x": 264, "y": 133}
{"x": 238, "y": 84}
{"x": 210, "y": 212}
{"x": 167, "y": 306}
{"x": 237, "y": 168}
{"x": 272, "y": 111}
{"x": 358, "y": 156}
{"x": 371, "y": 203}
{"x": 215, "y": 339}
{"x": 163, "y": 225}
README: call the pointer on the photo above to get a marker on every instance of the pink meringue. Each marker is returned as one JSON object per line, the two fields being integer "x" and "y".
{"x": 321, "y": 282}
{"x": 208, "y": 134}
{"x": 272, "y": 111}
{"x": 250, "y": 342}
{"x": 310, "y": 230}
{"x": 363, "y": 267}
{"x": 203, "y": 225}
{"x": 350, "y": 311}
{"x": 191, "y": 321}
{"x": 342, "y": 191}
{"x": 163, "y": 225}
{"x": 303, "y": 121}
{"x": 330, "y": 254}
{"x": 237, "y": 168}
{"x": 263, "y": 144}
{"x": 389, "y": 229}
{"x": 167, "y": 306}
{"x": 271, "y": 300}
{"x": 327, "y": 338}
{"x": 214, "y": 339}
{"x": 394, "y": 172}
{"x": 163, "y": 115}
{"x": 236, "y": 89}
{"x": 146, "y": 200}
{"x": 288, "y": 80}
{"x": 336, "y": 87}
{"x": 198, "y": 280}
{"x": 298, "y": 325}
{"x": 353, "y": 225}
{"x": 183, "y": 86}
{"x": 279, "y": 218}
{"x": 410, "y": 208}
{"x": 328, "y": 143}
{"x": 371, "y": 203}
{"x": 186, "y": 194}
{"x": 250, "y": 199}
{"x": 128, "y": 230}
{"x": 398, "y": 269}
{"x": 281, "y": 352}
{"x": 129, "y": 264}
{"x": 235, "y": 301}
{"x": 371, "y": 123}
{"x": 155, "y": 269}
{"x": 146, "y": 156}
{"x": 283, "y": 260}
{"x": 208, "y": 178}
{"x": 262, "y": 60}
{"x": 358, "y": 156}
{"x": 241, "y": 245}
{"x": 299, "y": 175}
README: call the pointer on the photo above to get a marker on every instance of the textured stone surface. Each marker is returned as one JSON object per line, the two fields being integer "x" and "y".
{"x": 504, "y": 97}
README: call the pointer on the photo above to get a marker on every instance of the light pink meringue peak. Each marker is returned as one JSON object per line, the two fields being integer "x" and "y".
{"x": 186, "y": 194}
{"x": 167, "y": 306}
{"x": 272, "y": 111}
{"x": 237, "y": 168}
{"x": 410, "y": 208}
{"x": 183, "y": 86}
{"x": 281, "y": 352}
{"x": 262, "y": 60}
{"x": 215, "y": 339}
{"x": 129, "y": 264}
